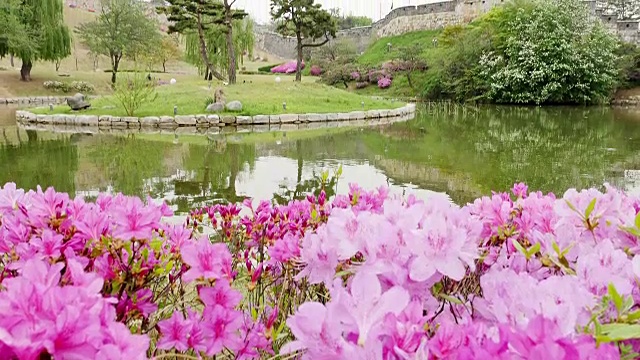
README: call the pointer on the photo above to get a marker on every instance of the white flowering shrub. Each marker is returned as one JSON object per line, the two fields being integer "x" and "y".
{"x": 549, "y": 51}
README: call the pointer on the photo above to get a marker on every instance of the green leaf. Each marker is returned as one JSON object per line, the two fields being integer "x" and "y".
{"x": 570, "y": 205}
{"x": 520, "y": 248}
{"x": 339, "y": 172}
{"x": 450, "y": 299}
{"x": 314, "y": 214}
{"x": 254, "y": 314}
{"x": 616, "y": 297}
{"x": 533, "y": 250}
{"x": 556, "y": 248}
{"x": 589, "y": 210}
{"x": 156, "y": 245}
{"x": 638, "y": 221}
{"x": 619, "y": 332}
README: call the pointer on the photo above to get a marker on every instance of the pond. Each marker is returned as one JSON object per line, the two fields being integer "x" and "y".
{"x": 463, "y": 152}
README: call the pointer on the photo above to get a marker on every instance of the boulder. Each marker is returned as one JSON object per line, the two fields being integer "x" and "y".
{"x": 77, "y": 102}
{"x": 234, "y": 106}
{"x": 215, "y": 107}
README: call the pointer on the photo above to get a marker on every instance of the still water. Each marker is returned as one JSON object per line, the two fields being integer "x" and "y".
{"x": 462, "y": 152}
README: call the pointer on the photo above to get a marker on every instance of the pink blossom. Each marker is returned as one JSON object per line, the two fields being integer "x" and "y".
{"x": 207, "y": 260}
{"x": 174, "y": 333}
{"x": 221, "y": 294}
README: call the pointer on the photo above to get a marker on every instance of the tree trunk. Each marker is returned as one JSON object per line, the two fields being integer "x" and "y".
{"x": 164, "y": 66}
{"x": 25, "y": 71}
{"x": 230, "y": 47}
{"x": 409, "y": 79}
{"x": 203, "y": 51}
{"x": 11, "y": 60}
{"x": 299, "y": 63}
{"x": 115, "y": 63}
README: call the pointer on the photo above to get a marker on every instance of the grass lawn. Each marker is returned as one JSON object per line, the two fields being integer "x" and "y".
{"x": 378, "y": 53}
{"x": 259, "y": 94}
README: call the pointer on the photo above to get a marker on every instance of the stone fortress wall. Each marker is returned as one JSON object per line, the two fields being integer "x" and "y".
{"x": 429, "y": 17}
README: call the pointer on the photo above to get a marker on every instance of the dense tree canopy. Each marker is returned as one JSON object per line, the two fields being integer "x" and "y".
{"x": 311, "y": 25}
{"x": 33, "y": 30}
{"x": 122, "y": 29}
{"x": 503, "y": 58}
{"x": 205, "y": 23}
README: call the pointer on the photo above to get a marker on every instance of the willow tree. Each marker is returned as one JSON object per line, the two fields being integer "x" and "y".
{"x": 308, "y": 22}
{"x": 205, "y": 21}
{"x": 35, "y": 31}
{"x": 217, "y": 46}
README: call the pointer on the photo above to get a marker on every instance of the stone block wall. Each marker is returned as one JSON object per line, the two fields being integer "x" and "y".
{"x": 430, "y": 17}
{"x": 207, "y": 120}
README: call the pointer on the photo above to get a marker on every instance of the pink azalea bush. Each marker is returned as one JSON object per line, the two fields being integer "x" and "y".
{"x": 365, "y": 275}
{"x": 316, "y": 70}
{"x": 287, "y": 68}
{"x": 384, "y": 83}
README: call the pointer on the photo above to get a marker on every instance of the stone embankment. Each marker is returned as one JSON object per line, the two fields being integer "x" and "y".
{"x": 205, "y": 121}
{"x": 213, "y": 130}
{"x": 36, "y": 100}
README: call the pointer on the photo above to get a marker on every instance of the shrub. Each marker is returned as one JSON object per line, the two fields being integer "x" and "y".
{"x": 361, "y": 84}
{"x": 82, "y": 86}
{"x": 355, "y": 76}
{"x": 316, "y": 70}
{"x": 287, "y": 68}
{"x": 267, "y": 68}
{"x": 518, "y": 275}
{"x": 75, "y": 86}
{"x": 384, "y": 83}
{"x": 56, "y": 86}
{"x": 134, "y": 91}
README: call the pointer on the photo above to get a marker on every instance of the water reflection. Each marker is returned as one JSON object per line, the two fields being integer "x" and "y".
{"x": 465, "y": 153}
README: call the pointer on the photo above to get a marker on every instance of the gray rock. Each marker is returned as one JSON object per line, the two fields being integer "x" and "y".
{"x": 104, "y": 119}
{"x": 77, "y": 102}
{"x": 150, "y": 121}
{"x": 332, "y": 117}
{"x": 274, "y": 119}
{"x": 42, "y": 119}
{"x": 261, "y": 119}
{"x": 167, "y": 120}
{"x": 316, "y": 117}
{"x": 201, "y": 120}
{"x": 185, "y": 120}
{"x": 234, "y": 106}
{"x": 289, "y": 118}
{"x": 215, "y": 107}
{"x": 89, "y": 120}
{"x": 228, "y": 119}
{"x": 213, "y": 119}
{"x": 131, "y": 120}
{"x": 373, "y": 114}
{"x": 244, "y": 120}
{"x": 357, "y": 115}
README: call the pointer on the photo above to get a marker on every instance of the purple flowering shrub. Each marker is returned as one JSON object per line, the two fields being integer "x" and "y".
{"x": 287, "y": 68}
{"x": 366, "y": 275}
{"x": 316, "y": 70}
{"x": 384, "y": 83}
{"x": 355, "y": 76}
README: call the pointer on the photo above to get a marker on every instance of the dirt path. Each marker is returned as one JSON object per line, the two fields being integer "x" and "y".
{"x": 4, "y": 92}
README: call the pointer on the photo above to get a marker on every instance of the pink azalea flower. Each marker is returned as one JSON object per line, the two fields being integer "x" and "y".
{"x": 443, "y": 248}
{"x": 207, "y": 260}
{"x": 174, "y": 333}
{"x": 221, "y": 294}
{"x": 368, "y": 306}
{"x": 220, "y": 327}
{"x": 10, "y": 195}
{"x": 134, "y": 220}
{"x": 48, "y": 244}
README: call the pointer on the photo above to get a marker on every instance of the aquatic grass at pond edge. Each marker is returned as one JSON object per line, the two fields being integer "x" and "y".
{"x": 260, "y": 95}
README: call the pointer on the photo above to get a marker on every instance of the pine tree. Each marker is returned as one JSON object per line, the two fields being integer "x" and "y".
{"x": 34, "y": 30}
{"x": 305, "y": 20}
{"x": 206, "y": 19}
